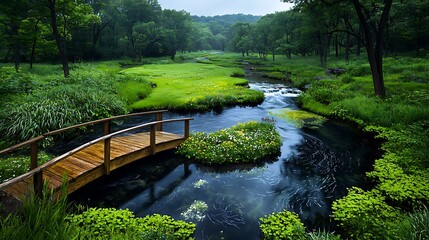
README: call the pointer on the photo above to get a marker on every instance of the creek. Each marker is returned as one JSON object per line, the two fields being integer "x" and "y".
{"x": 315, "y": 167}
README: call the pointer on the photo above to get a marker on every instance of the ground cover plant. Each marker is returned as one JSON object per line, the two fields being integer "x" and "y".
{"x": 15, "y": 165}
{"x": 282, "y": 225}
{"x": 244, "y": 143}
{"x": 108, "y": 223}
{"x": 193, "y": 86}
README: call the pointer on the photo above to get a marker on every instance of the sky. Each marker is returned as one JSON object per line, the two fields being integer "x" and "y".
{"x": 222, "y": 7}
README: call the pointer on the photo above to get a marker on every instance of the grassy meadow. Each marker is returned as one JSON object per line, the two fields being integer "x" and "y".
{"x": 192, "y": 86}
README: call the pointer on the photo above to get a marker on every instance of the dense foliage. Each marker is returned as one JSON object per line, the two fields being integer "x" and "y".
{"x": 366, "y": 215}
{"x": 108, "y": 223}
{"x": 282, "y": 225}
{"x": 243, "y": 143}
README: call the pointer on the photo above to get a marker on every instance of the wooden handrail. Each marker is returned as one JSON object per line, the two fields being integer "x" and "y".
{"x": 101, "y": 121}
{"x": 105, "y": 137}
{"x": 23, "y": 144}
{"x": 51, "y": 133}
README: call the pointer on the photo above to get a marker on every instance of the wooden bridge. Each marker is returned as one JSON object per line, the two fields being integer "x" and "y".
{"x": 93, "y": 159}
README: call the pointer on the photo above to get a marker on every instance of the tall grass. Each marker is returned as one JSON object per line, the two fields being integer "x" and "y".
{"x": 39, "y": 219}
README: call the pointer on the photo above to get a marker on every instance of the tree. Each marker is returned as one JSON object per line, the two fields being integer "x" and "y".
{"x": 179, "y": 24}
{"x": 147, "y": 37}
{"x": 373, "y": 17}
{"x": 132, "y": 12}
{"x": 64, "y": 15}
{"x": 239, "y": 37}
{"x": 13, "y": 13}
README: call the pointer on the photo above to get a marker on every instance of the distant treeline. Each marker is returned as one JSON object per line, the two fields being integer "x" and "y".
{"x": 70, "y": 30}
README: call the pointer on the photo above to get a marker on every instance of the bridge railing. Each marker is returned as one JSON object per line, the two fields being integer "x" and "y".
{"x": 36, "y": 171}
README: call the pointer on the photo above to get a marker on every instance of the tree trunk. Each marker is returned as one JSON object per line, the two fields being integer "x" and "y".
{"x": 16, "y": 50}
{"x": 336, "y": 47}
{"x": 375, "y": 49}
{"x": 33, "y": 45}
{"x": 347, "y": 54}
{"x": 324, "y": 40}
{"x": 60, "y": 41}
{"x": 33, "y": 48}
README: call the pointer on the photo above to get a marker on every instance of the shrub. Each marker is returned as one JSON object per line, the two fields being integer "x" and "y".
{"x": 405, "y": 189}
{"x": 106, "y": 223}
{"x": 366, "y": 215}
{"x": 243, "y": 143}
{"x": 282, "y": 225}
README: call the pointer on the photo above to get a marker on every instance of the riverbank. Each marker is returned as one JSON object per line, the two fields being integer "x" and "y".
{"x": 401, "y": 176}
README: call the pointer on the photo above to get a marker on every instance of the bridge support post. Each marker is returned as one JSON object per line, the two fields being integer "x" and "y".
{"x": 186, "y": 134}
{"x": 38, "y": 177}
{"x": 107, "y": 148}
{"x": 159, "y": 118}
{"x": 152, "y": 139}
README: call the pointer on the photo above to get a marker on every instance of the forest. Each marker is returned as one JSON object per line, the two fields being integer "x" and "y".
{"x": 358, "y": 62}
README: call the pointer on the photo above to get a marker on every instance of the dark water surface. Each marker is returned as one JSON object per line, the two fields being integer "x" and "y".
{"x": 314, "y": 168}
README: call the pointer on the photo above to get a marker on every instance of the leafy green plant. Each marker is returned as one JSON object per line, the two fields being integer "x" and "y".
{"x": 282, "y": 225}
{"x": 243, "y": 143}
{"x": 105, "y": 223}
{"x": 174, "y": 229}
{"x": 366, "y": 215}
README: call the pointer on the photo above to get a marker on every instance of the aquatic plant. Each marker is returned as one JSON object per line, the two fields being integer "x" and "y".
{"x": 200, "y": 183}
{"x": 226, "y": 212}
{"x": 243, "y": 143}
{"x": 282, "y": 225}
{"x": 197, "y": 211}
{"x": 300, "y": 118}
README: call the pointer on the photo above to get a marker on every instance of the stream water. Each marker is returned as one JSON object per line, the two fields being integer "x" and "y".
{"x": 314, "y": 168}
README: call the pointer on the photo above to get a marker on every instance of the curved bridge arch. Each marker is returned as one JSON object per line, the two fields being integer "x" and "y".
{"x": 93, "y": 159}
